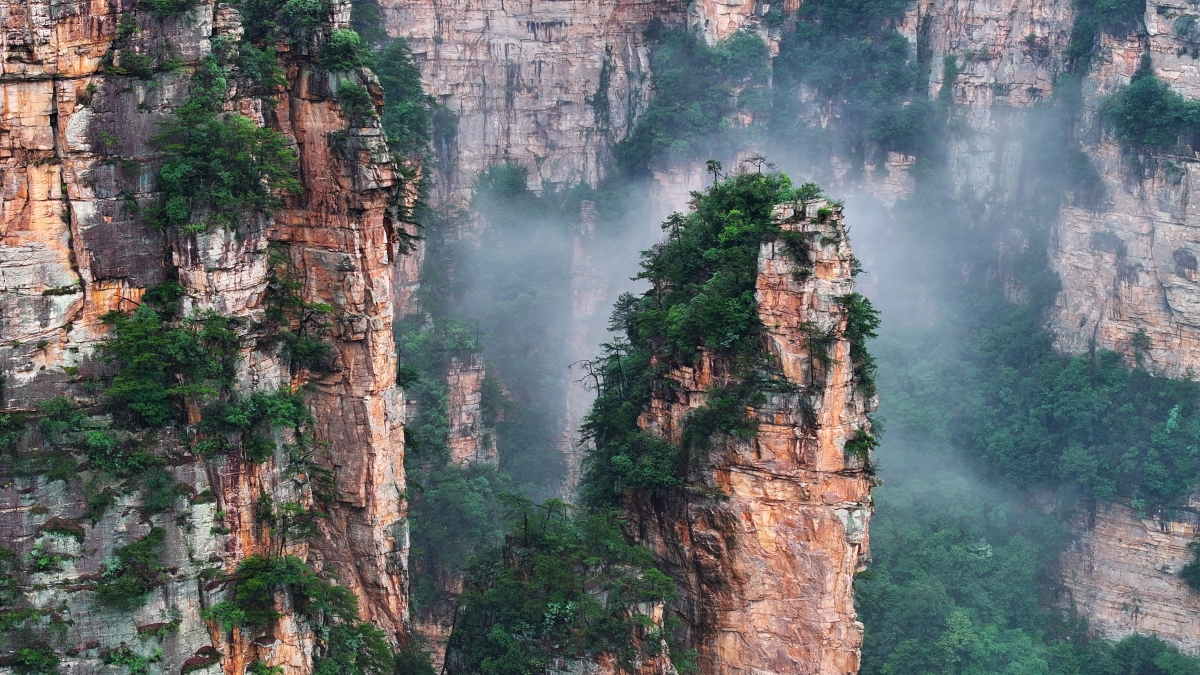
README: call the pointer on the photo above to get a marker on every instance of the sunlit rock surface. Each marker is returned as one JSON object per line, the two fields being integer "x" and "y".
{"x": 78, "y": 166}
{"x": 768, "y": 533}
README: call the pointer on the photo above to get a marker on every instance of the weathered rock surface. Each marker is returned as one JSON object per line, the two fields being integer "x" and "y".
{"x": 1129, "y": 268}
{"x": 545, "y": 84}
{"x": 78, "y": 167}
{"x": 470, "y": 441}
{"x": 767, "y": 535}
{"x": 1123, "y": 574}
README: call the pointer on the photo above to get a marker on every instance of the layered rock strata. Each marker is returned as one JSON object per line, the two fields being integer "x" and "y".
{"x": 765, "y": 539}
{"x": 1122, "y": 572}
{"x": 547, "y": 85}
{"x": 1128, "y": 268}
{"x": 79, "y": 174}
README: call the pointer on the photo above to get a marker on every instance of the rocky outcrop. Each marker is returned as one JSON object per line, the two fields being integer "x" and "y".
{"x": 1122, "y": 573}
{"x": 469, "y": 440}
{"x": 79, "y": 174}
{"x": 547, "y": 85}
{"x": 767, "y": 535}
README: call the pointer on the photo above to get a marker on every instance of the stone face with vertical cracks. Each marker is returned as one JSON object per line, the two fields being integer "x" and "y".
{"x": 1122, "y": 573}
{"x": 765, "y": 539}
{"x": 546, "y": 84}
{"x": 78, "y": 171}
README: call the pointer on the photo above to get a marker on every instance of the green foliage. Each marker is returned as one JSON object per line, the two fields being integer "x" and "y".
{"x": 131, "y": 63}
{"x": 694, "y": 86}
{"x": 355, "y": 100}
{"x": 65, "y": 425}
{"x": 301, "y": 325}
{"x": 1191, "y": 571}
{"x": 12, "y": 425}
{"x": 290, "y": 521}
{"x": 159, "y": 490}
{"x": 307, "y": 15}
{"x": 36, "y": 660}
{"x": 413, "y": 659}
{"x": 724, "y": 411}
{"x": 1084, "y": 421}
{"x": 218, "y": 165}
{"x": 454, "y": 514}
{"x": 258, "y": 448}
{"x": 702, "y": 296}
{"x": 365, "y": 19}
{"x": 562, "y": 586}
{"x": 407, "y": 109}
{"x": 257, "y": 580}
{"x": 162, "y": 366}
{"x": 1149, "y": 114}
{"x": 453, "y": 511}
{"x": 355, "y": 649}
{"x": 703, "y": 276}
{"x": 165, "y": 8}
{"x": 427, "y": 350}
{"x": 274, "y": 20}
{"x": 260, "y": 65}
{"x": 862, "y": 320}
{"x": 137, "y": 664}
{"x": 1094, "y": 17}
{"x": 133, "y": 573}
{"x": 850, "y": 52}
{"x": 860, "y": 444}
{"x": 63, "y": 527}
{"x": 349, "y": 646}
{"x": 345, "y": 50}
{"x": 955, "y": 582}
{"x": 40, "y": 560}
{"x": 277, "y": 409}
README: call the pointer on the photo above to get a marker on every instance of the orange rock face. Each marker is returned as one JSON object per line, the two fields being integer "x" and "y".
{"x": 79, "y": 168}
{"x": 768, "y": 534}
{"x": 469, "y": 442}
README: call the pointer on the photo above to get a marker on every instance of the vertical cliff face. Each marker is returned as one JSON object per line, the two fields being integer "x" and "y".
{"x": 1129, "y": 267}
{"x": 547, "y": 85}
{"x": 80, "y": 168}
{"x": 769, "y": 532}
{"x": 470, "y": 441}
{"x": 1125, "y": 263}
{"x": 1123, "y": 574}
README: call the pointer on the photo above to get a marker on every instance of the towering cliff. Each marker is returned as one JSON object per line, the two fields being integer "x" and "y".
{"x": 547, "y": 85}
{"x": 768, "y": 531}
{"x": 129, "y": 527}
{"x": 1127, "y": 268}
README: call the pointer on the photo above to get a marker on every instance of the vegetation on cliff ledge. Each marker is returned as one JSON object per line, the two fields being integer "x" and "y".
{"x": 1148, "y": 114}
{"x": 988, "y": 424}
{"x": 851, "y": 52}
{"x": 346, "y": 645}
{"x": 218, "y": 166}
{"x": 702, "y": 297}
{"x": 563, "y": 585}
{"x": 697, "y": 88}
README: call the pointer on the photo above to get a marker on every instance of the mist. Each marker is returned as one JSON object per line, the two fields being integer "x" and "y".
{"x": 954, "y": 229}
